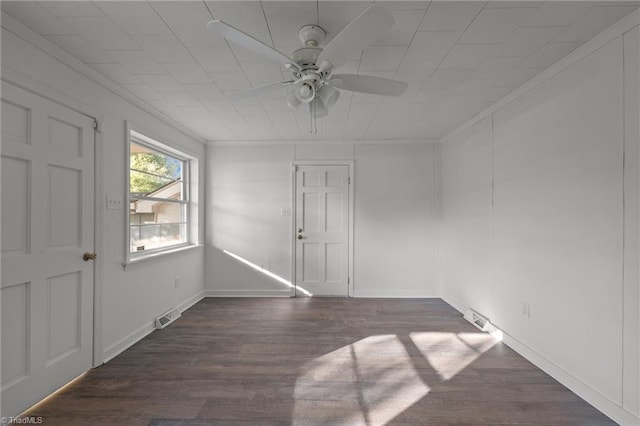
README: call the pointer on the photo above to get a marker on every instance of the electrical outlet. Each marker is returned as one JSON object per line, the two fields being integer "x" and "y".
{"x": 177, "y": 282}
{"x": 114, "y": 202}
{"x": 526, "y": 310}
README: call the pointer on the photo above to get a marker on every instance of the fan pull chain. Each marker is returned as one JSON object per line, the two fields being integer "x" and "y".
{"x": 313, "y": 128}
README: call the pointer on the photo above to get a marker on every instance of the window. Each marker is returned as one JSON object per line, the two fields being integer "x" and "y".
{"x": 158, "y": 197}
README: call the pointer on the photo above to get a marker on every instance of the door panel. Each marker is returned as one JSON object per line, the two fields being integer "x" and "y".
{"x": 322, "y": 222}
{"x": 15, "y": 187}
{"x": 310, "y": 213}
{"x": 310, "y": 262}
{"x": 65, "y": 207}
{"x": 333, "y": 262}
{"x": 64, "y": 309}
{"x": 65, "y": 136}
{"x": 15, "y": 123}
{"x": 333, "y": 211}
{"x": 47, "y": 225}
{"x": 15, "y": 338}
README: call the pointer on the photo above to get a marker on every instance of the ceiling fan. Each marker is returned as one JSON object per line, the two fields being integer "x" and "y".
{"x": 313, "y": 82}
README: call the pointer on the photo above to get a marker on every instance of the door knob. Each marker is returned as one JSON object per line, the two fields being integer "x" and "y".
{"x": 299, "y": 236}
{"x": 89, "y": 256}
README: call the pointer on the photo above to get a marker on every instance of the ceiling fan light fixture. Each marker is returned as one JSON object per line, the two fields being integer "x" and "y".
{"x": 329, "y": 95}
{"x": 319, "y": 108}
{"x": 324, "y": 67}
{"x": 304, "y": 90}
{"x": 292, "y": 100}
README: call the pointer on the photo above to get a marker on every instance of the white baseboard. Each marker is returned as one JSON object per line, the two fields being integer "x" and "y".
{"x": 191, "y": 301}
{"x": 247, "y": 293}
{"x": 128, "y": 341}
{"x": 457, "y": 304}
{"x": 391, "y": 294}
{"x": 592, "y": 396}
{"x": 142, "y": 332}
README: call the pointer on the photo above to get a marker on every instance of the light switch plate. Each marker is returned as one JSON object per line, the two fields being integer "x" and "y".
{"x": 285, "y": 211}
{"x": 114, "y": 202}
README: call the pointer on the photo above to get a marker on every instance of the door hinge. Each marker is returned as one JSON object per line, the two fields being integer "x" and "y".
{"x": 348, "y": 280}
{"x": 348, "y": 181}
{"x": 95, "y": 124}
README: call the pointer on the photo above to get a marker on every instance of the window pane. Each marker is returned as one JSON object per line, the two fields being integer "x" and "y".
{"x": 172, "y": 232}
{"x": 169, "y": 212}
{"x": 149, "y": 233}
{"x": 156, "y": 224}
{"x": 158, "y": 198}
{"x": 146, "y": 184}
{"x": 145, "y": 212}
{"x": 141, "y": 218}
{"x": 155, "y": 174}
{"x": 135, "y": 237}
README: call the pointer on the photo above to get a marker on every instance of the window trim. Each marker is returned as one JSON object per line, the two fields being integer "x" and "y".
{"x": 141, "y": 137}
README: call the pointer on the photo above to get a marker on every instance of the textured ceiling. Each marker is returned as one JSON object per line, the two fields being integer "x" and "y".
{"x": 458, "y": 58}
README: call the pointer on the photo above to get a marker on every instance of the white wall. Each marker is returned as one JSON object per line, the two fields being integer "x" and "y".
{"x": 467, "y": 223}
{"x": 393, "y": 216}
{"x": 129, "y": 300}
{"x": 540, "y": 207}
{"x": 631, "y": 289}
{"x": 394, "y": 221}
{"x": 246, "y": 188}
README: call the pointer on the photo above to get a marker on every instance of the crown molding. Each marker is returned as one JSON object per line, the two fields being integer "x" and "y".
{"x": 324, "y": 142}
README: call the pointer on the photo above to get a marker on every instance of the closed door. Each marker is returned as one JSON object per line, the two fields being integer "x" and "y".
{"x": 47, "y": 226}
{"x": 322, "y": 230}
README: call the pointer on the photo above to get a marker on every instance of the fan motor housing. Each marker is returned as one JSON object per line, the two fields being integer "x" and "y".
{"x": 306, "y": 57}
{"x": 311, "y": 35}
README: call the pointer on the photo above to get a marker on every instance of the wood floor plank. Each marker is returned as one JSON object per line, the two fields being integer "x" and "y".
{"x": 232, "y": 361}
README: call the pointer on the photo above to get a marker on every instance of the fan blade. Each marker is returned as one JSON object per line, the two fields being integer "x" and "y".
{"x": 361, "y": 32}
{"x": 367, "y": 84}
{"x": 245, "y": 40}
{"x": 259, "y": 90}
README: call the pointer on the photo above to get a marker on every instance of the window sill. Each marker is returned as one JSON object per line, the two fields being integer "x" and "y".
{"x": 144, "y": 260}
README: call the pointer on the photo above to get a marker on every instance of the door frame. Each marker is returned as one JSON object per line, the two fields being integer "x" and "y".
{"x": 350, "y": 203}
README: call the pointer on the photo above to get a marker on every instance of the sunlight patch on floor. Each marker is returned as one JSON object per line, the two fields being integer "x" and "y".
{"x": 369, "y": 382}
{"x": 450, "y": 353}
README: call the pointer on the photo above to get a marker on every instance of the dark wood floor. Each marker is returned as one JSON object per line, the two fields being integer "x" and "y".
{"x": 318, "y": 361}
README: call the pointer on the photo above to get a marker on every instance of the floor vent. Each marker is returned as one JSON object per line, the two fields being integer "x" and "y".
{"x": 164, "y": 320}
{"x": 476, "y": 319}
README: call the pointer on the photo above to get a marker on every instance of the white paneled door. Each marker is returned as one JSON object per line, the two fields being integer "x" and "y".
{"x": 47, "y": 227}
{"x": 322, "y": 230}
